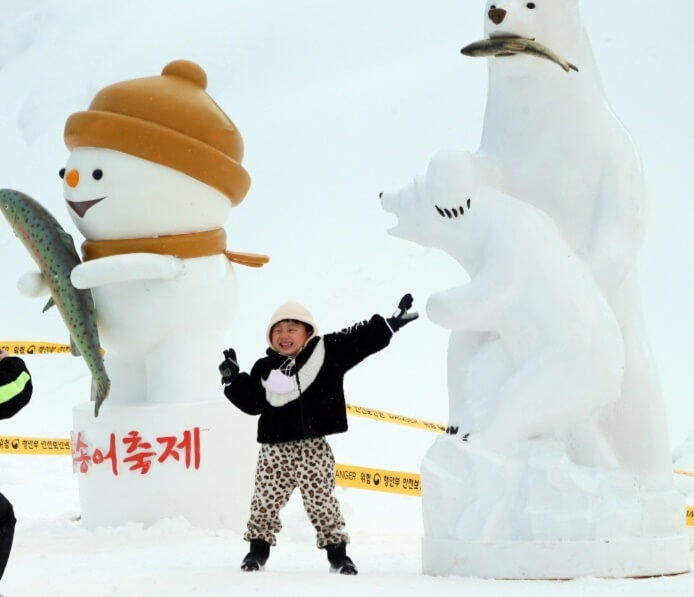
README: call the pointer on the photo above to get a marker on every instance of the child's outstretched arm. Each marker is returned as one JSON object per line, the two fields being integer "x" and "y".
{"x": 402, "y": 315}
{"x": 239, "y": 387}
{"x": 355, "y": 343}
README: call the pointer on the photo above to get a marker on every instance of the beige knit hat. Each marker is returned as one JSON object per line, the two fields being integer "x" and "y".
{"x": 291, "y": 310}
{"x": 170, "y": 120}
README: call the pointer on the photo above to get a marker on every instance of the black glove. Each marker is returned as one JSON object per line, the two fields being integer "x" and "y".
{"x": 402, "y": 316}
{"x": 229, "y": 367}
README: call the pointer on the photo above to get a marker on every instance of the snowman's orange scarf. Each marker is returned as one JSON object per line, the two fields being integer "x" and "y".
{"x": 185, "y": 246}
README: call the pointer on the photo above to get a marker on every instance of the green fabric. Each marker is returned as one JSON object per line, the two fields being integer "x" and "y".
{"x": 10, "y": 390}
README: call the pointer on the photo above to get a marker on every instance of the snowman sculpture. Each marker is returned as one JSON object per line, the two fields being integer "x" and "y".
{"x": 154, "y": 168}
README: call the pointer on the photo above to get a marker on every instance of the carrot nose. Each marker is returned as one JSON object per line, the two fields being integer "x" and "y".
{"x": 72, "y": 178}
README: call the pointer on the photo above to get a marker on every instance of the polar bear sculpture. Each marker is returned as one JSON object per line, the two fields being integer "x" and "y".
{"x": 525, "y": 485}
{"x": 503, "y": 496}
{"x": 558, "y": 349}
{"x": 560, "y": 147}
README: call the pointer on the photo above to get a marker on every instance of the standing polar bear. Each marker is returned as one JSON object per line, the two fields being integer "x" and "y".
{"x": 566, "y": 469}
{"x": 550, "y": 353}
{"x": 558, "y": 146}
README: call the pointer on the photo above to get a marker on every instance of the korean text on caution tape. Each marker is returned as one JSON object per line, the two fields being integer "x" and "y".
{"x": 385, "y": 417}
{"x": 377, "y": 479}
{"x": 45, "y": 446}
{"x": 22, "y": 347}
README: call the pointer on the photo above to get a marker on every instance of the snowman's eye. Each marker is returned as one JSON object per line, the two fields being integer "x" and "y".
{"x": 61, "y": 173}
{"x": 97, "y": 174}
{"x": 530, "y": 5}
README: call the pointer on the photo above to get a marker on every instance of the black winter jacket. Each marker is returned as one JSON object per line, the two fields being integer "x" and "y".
{"x": 15, "y": 386}
{"x": 316, "y": 405}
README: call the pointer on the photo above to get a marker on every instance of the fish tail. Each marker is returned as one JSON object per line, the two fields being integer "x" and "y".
{"x": 100, "y": 389}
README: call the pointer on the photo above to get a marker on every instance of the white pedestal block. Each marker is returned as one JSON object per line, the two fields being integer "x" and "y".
{"x": 538, "y": 515}
{"x": 145, "y": 462}
{"x": 556, "y": 559}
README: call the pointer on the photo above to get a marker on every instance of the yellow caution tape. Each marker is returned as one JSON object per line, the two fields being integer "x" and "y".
{"x": 45, "y": 446}
{"x": 373, "y": 479}
{"x": 385, "y": 417}
{"x": 24, "y": 347}
{"x": 378, "y": 479}
{"x": 346, "y": 475}
{"x": 20, "y": 347}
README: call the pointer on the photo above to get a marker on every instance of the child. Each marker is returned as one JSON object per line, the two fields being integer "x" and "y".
{"x": 297, "y": 389}
{"x": 15, "y": 392}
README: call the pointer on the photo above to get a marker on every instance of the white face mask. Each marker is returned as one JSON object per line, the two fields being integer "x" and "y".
{"x": 279, "y": 383}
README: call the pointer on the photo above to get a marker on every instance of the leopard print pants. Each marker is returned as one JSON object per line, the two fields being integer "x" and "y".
{"x": 309, "y": 465}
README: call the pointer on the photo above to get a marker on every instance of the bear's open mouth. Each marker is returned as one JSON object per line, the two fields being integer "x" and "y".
{"x": 453, "y": 212}
{"x": 81, "y": 207}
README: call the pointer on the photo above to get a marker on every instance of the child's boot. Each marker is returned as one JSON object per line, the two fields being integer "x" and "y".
{"x": 256, "y": 558}
{"x": 339, "y": 560}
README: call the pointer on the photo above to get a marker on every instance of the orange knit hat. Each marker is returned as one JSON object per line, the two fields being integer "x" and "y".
{"x": 170, "y": 120}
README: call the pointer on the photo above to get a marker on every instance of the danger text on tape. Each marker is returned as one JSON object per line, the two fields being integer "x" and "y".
{"x": 376, "y": 479}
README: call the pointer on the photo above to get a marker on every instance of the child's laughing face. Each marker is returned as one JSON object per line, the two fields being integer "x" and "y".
{"x": 288, "y": 336}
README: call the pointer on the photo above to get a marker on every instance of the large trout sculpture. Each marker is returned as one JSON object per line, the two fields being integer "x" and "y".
{"x": 54, "y": 252}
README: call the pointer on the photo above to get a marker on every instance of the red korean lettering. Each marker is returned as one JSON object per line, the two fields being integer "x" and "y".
{"x": 141, "y": 459}
{"x": 99, "y": 457}
{"x": 80, "y": 456}
{"x": 190, "y": 444}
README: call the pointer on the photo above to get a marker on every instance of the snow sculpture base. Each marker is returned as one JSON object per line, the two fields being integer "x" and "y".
{"x": 535, "y": 513}
{"x": 145, "y": 462}
{"x": 547, "y": 560}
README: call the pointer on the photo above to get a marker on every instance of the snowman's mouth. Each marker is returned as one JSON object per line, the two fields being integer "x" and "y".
{"x": 81, "y": 207}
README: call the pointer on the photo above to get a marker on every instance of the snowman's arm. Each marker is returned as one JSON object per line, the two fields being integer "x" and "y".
{"x": 125, "y": 268}
{"x": 620, "y": 224}
{"x": 473, "y": 307}
{"x": 33, "y": 284}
